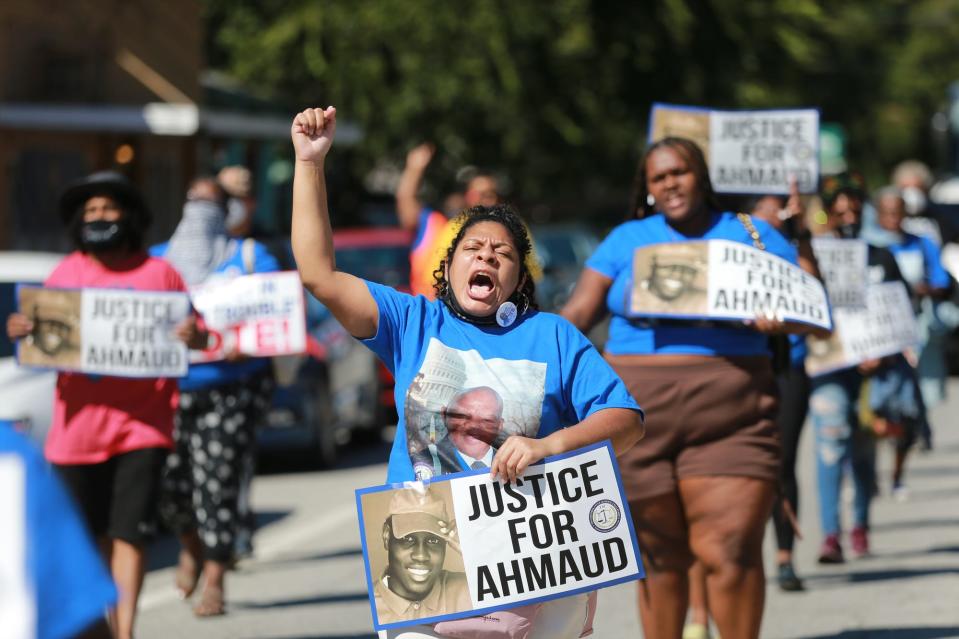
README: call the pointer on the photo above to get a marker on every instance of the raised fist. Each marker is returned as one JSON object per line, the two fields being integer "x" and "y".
{"x": 312, "y": 133}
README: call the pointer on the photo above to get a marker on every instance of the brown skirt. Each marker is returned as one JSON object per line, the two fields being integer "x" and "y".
{"x": 704, "y": 416}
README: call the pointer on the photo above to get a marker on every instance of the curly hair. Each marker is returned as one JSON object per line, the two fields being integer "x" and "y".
{"x": 504, "y": 215}
{"x": 695, "y": 160}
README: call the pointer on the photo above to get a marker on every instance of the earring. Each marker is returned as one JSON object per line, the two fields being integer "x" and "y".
{"x": 524, "y": 298}
{"x": 650, "y": 200}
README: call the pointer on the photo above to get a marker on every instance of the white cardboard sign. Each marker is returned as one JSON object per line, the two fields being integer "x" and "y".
{"x": 260, "y": 315}
{"x": 748, "y": 151}
{"x": 124, "y": 333}
{"x": 843, "y": 266}
{"x": 885, "y": 326}
{"x": 563, "y": 528}
{"x": 723, "y": 280}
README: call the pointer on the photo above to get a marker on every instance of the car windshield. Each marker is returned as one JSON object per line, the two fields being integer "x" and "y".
{"x": 389, "y": 265}
{"x": 8, "y": 304}
{"x": 557, "y": 250}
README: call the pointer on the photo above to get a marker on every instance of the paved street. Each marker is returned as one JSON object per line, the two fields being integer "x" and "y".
{"x": 306, "y": 579}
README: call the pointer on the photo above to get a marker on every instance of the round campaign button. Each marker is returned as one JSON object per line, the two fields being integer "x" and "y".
{"x": 604, "y": 515}
{"x": 506, "y": 314}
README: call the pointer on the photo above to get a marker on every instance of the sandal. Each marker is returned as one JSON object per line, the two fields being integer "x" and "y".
{"x": 211, "y": 603}
{"x": 187, "y": 575}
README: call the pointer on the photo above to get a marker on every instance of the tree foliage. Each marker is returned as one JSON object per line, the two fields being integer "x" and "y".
{"x": 557, "y": 93}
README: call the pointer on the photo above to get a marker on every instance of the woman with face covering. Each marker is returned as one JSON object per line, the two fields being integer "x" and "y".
{"x": 221, "y": 403}
{"x": 483, "y": 330}
{"x": 110, "y": 435}
{"x": 703, "y": 483}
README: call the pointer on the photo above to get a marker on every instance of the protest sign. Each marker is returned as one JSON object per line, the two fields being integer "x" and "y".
{"x": 261, "y": 315}
{"x": 463, "y": 545}
{"x": 843, "y": 266}
{"x": 748, "y": 151}
{"x": 885, "y": 326}
{"x": 116, "y": 332}
{"x": 722, "y": 280}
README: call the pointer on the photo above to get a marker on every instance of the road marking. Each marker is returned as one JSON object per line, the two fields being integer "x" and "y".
{"x": 270, "y": 543}
{"x": 270, "y": 546}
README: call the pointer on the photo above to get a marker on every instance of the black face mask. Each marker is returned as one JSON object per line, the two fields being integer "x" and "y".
{"x": 519, "y": 304}
{"x": 849, "y": 231}
{"x": 453, "y": 304}
{"x": 101, "y": 235}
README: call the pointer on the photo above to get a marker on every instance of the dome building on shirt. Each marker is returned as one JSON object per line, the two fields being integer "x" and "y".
{"x": 442, "y": 375}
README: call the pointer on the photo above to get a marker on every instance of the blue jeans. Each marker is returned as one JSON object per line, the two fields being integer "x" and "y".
{"x": 841, "y": 444}
{"x": 894, "y": 393}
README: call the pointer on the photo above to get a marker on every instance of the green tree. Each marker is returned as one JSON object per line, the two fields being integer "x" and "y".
{"x": 558, "y": 93}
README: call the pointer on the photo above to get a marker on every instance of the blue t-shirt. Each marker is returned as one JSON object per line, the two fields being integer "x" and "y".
{"x": 614, "y": 259}
{"x": 797, "y": 351}
{"x": 461, "y": 389}
{"x": 919, "y": 261}
{"x": 210, "y": 374}
{"x": 59, "y": 585}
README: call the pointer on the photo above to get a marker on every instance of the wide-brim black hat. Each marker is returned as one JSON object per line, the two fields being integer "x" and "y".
{"x": 109, "y": 183}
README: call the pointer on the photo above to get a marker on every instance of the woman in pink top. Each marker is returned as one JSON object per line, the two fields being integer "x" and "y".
{"x": 110, "y": 435}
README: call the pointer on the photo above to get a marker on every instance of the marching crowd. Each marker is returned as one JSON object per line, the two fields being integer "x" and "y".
{"x": 705, "y": 416}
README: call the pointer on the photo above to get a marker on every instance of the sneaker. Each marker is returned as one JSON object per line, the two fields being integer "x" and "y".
{"x": 859, "y": 539}
{"x": 831, "y": 551}
{"x": 788, "y": 580}
{"x": 900, "y": 493}
{"x": 694, "y": 630}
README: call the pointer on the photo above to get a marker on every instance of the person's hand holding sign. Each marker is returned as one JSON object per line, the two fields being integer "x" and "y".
{"x": 516, "y": 454}
{"x": 622, "y": 427}
{"x": 18, "y": 326}
{"x": 793, "y": 209}
{"x": 189, "y": 332}
{"x": 768, "y": 323}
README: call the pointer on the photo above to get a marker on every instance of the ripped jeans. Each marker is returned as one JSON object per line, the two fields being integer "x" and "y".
{"x": 841, "y": 444}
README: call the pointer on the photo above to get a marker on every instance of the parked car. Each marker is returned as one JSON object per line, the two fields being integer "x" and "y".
{"x": 26, "y": 395}
{"x": 339, "y": 391}
{"x": 562, "y": 249}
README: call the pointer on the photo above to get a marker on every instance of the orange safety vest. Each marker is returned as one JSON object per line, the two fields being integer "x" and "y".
{"x": 422, "y": 261}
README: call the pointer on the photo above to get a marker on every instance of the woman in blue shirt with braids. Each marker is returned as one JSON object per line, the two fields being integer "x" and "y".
{"x": 703, "y": 483}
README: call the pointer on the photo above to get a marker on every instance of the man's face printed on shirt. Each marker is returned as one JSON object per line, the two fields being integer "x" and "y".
{"x": 474, "y": 420}
{"x": 414, "y": 562}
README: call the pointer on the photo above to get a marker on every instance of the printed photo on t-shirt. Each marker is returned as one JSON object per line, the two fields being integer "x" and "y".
{"x": 460, "y": 408}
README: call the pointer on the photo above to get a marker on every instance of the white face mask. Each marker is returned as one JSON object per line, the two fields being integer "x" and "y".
{"x": 915, "y": 199}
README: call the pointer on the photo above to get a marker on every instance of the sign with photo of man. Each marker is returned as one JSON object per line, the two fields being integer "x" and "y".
{"x": 723, "y": 280}
{"x": 748, "y": 151}
{"x": 116, "y": 332}
{"x": 465, "y": 545}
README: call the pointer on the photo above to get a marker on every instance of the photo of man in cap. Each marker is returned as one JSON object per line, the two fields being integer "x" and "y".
{"x": 416, "y": 534}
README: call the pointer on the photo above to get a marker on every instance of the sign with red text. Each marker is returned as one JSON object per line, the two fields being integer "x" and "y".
{"x": 885, "y": 326}
{"x": 464, "y": 545}
{"x": 116, "y": 332}
{"x": 259, "y": 315}
{"x": 748, "y": 151}
{"x": 722, "y": 280}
